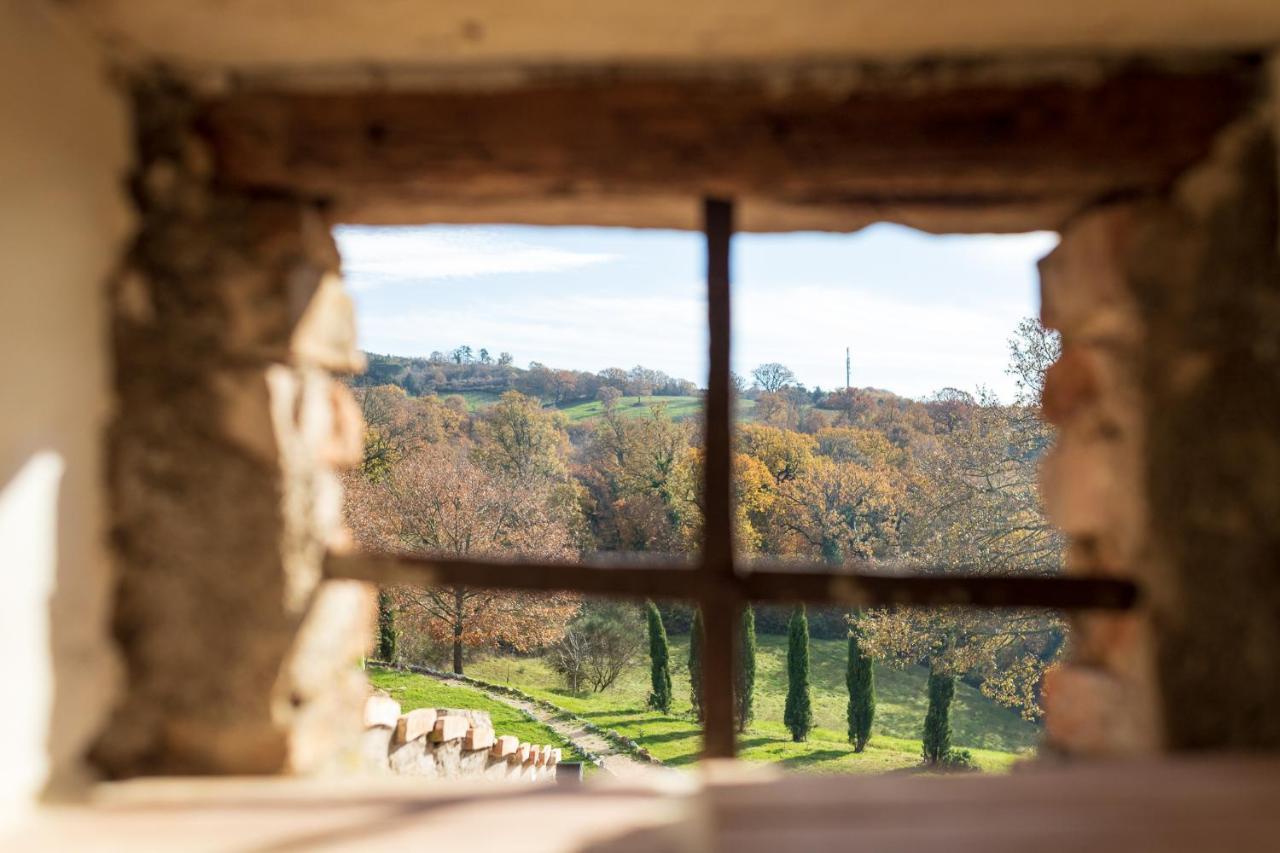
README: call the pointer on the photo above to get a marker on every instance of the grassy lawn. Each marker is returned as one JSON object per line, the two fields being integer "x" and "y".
{"x": 418, "y": 691}
{"x": 476, "y": 400}
{"x": 678, "y": 408}
{"x": 994, "y": 734}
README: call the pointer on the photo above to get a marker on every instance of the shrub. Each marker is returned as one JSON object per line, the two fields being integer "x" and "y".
{"x": 744, "y": 697}
{"x": 861, "y": 681}
{"x": 600, "y": 642}
{"x": 960, "y": 759}
{"x": 937, "y": 720}
{"x": 659, "y": 662}
{"x": 798, "y": 713}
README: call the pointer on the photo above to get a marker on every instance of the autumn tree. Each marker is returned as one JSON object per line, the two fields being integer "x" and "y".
{"x": 839, "y": 511}
{"x": 397, "y": 425}
{"x": 608, "y": 396}
{"x": 635, "y": 474}
{"x": 641, "y": 381}
{"x": 777, "y": 409}
{"x": 519, "y": 439}
{"x": 773, "y": 376}
{"x": 978, "y": 510}
{"x": 787, "y": 455}
{"x": 853, "y": 404}
{"x": 439, "y": 502}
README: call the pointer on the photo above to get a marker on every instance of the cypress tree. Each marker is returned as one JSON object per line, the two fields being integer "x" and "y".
{"x": 745, "y": 697}
{"x": 695, "y": 664}
{"x": 798, "y": 714}
{"x": 937, "y": 721}
{"x": 659, "y": 662}
{"x": 386, "y": 649}
{"x": 861, "y": 680}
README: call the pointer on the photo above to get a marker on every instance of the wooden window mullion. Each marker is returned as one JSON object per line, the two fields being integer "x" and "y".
{"x": 719, "y": 594}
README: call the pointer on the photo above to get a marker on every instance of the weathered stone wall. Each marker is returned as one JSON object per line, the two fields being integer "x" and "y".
{"x": 1167, "y": 397}
{"x": 443, "y": 743}
{"x": 226, "y": 323}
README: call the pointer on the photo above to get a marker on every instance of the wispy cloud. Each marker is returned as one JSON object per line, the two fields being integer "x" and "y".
{"x": 908, "y": 347}
{"x": 582, "y": 331}
{"x": 378, "y": 256}
{"x": 920, "y": 313}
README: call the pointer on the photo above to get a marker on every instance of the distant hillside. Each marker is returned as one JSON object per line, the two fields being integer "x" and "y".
{"x": 480, "y": 379}
{"x": 474, "y": 374}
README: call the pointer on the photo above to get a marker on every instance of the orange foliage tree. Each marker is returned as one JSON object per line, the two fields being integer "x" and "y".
{"x": 439, "y": 502}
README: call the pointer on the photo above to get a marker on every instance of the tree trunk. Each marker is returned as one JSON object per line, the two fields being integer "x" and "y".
{"x": 457, "y": 631}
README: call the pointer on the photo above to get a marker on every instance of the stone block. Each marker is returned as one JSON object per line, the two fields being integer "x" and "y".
{"x": 504, "y": 746}
{"x": 554, "y": 758}
{"x": 321, "y": 670}
{"x": 472, "y": 764}
{"x": 381, "y": 711}
{"x": 498, "y": 768}
{"x": 1084, "y": 292}
{"x": 325, "y": 335}
{"x": 345, "y": 447}
{"x": 1090, "y": 712}
{"x": 374, "y": 747}
{"x": 478, "y": 737}
{"x": 521, "y": 755}
{"x": 415, "y": 758}
{"x": 449, "y": 727}
{"x": 415, "y": 724}
{"x": 1070, "y": 383}
{"x": 535, "y": 756}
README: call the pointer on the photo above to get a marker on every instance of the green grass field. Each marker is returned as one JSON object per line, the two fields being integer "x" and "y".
{"x": 678, "y": 408}
{"x": 418, "y": 691}
{"x": 476, "y": 400}
{"x": 994, "y": 734}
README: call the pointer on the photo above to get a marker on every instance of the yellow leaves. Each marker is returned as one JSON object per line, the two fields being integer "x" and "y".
{"x": 838, "y": 511}
{"x": 518, "y": 438}
{"x": 863, "y": 446}
{"x": 785, "y": 454}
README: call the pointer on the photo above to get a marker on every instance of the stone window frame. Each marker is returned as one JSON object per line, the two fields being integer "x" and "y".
{"x": 717, "y": 582}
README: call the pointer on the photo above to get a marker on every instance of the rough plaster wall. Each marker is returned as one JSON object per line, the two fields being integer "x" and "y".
{"x": 337, "y": 36}
{"x": 62, "y": 155}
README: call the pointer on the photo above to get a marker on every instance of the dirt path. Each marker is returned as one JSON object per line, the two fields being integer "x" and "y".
{"x": 613, "y": 761}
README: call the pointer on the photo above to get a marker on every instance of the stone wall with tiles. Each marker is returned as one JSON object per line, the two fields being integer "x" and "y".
{"x": 443, "y": 743}
{"x": 1167, "y": 400}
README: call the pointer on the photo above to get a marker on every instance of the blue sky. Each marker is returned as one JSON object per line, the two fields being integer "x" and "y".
{"x": 919, "y": 312}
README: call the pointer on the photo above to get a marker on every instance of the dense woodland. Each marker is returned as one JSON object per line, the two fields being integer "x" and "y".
{"x": 468, "y": 455}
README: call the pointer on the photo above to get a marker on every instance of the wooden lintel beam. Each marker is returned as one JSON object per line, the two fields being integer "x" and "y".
{"x": 766, "y": 584}
{"x": 944, "y": 139}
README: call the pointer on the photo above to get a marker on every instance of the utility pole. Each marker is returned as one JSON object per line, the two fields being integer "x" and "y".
{"x": 846, "y": 369}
